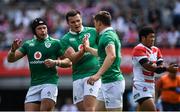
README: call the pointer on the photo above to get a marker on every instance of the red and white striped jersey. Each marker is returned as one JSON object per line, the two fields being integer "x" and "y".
{"x": 140, "y": 51}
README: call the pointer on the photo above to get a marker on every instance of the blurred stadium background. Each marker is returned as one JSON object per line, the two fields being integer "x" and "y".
{"x": 128, "y": 16}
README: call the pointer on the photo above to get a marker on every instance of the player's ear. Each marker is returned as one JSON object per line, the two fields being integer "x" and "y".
{"x": 99, "y": 23}
{"x": 143, "y": 38}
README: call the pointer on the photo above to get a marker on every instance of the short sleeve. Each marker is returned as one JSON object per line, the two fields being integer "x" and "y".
{"x": 108, "y": 40}
{"x": 159, "y": 55}
{"x": 64, "y": 45}
{"x": 60, "y": 52}
{"x": 139, "y": 53}
{"x": 23, "y": 48}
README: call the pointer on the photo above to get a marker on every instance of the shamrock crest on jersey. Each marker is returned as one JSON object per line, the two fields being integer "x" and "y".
{"x": 37, "y": 55}
{"x": 31, "y": 44}
{"x": 47, "y": 45}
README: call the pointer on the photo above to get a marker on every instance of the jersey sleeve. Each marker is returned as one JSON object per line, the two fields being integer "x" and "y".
{"x": 159, "y": 56}
{"x": 139, "y": 53}
{"x": 64, "y": 45}
{"x": 108, "y": 40}
{"x": 23, "y": 48}
{"x": 60, "y": 48}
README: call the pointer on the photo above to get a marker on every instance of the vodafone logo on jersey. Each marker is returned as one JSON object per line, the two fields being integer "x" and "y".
{"x": 37, "y": 55}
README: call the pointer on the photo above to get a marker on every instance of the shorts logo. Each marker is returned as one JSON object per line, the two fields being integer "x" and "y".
{"x": 144, "y": 89}
{"x": 49, "y": 93}
{"x": 37, "y": 55}
{"x": 107, "y": 100}
{"x": 90, "y": 90}
{"x": 136, "y": 95}
{"x": 75, "y": 98}
{"x": 47, "y": 45}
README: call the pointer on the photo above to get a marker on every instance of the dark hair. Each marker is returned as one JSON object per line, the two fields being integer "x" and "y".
{"x": 104, "y": 17}
{"x": 145, "y": 31}
{"x": 72, "y": 13}
{"x": 36, "y": 22}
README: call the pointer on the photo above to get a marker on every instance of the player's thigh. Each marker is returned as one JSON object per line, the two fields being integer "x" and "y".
{"x": 47, "y": 104}
{"x": 80, "y": 106}
{"x": 32, "y": 106}
{"x": 147, "y": 105}
{"x": 100, "y": 106}
{"x": 89, "y": 102}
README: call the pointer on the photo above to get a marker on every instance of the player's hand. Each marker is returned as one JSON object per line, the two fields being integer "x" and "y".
{"x": 15, "y": 45}
{"x": 82, "y": 49}
{"x": 93, "y": 79}
{"x": 86, "y": 42}
{"x": 50, "y": 63}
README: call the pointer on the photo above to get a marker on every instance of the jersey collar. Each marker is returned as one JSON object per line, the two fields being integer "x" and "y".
{"x": 44, "y": 38}
{"x": 108, "y": 28}
{"x": 146, "y": 47}
{"x": 75, "y": 33}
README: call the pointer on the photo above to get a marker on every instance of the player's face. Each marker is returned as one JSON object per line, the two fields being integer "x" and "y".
{"x": 41, "y": 31}
{"x": 97, "y": 25}
{"x": 75, "y": 23}
{"x": 150, "y": 39}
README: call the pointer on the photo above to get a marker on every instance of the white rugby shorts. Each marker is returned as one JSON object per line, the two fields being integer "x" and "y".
{"x": 112, "y": 94}
{"x": 39, "y": 92}
{"x": 81, "y": 89}
{"x": 141, "y": 90}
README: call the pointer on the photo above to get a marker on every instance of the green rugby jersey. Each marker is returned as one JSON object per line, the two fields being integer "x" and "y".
{"x": 37, "y": 52}
{"x": 88, "y": 65}
{"x": 109, "y": 36}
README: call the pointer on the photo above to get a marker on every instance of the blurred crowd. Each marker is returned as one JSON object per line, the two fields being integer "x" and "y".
{"x": 127, "y": 17}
